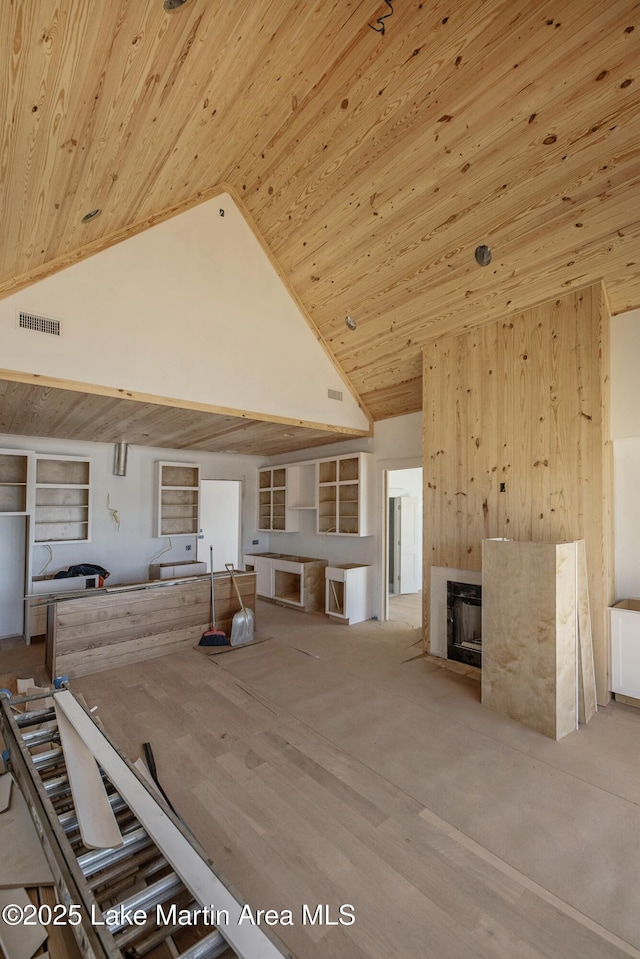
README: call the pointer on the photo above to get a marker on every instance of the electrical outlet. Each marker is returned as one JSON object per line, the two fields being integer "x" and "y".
{"x": 188, "y": 548}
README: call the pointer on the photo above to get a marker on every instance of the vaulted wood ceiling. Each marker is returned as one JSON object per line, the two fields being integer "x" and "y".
{"x": 372, "y": 163}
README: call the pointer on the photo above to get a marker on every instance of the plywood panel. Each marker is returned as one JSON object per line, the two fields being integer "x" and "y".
{"x": 529, "y": 633}
{"x": 586, "y": 675}
{"x": 532, "y": 415}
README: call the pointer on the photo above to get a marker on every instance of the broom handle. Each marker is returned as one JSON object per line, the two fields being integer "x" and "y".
{"x": 213, "y": 602}
{"x": 229, "y": 569}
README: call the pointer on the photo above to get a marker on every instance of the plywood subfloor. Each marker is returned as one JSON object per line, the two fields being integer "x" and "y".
{"x": 406, "y": 608}
{"x": 340, "y": 765}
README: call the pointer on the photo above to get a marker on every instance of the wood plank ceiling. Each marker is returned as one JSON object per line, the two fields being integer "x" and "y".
{"x": 372, "y": 163}
{"x": 30, "y": 409}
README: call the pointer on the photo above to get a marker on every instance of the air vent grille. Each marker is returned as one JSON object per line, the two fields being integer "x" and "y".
{"x": 39, "y": 324}
{"x": 334, "y": 395}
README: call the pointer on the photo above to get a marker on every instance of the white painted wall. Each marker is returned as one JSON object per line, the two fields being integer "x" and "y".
{"x": 625, "y": 432}
{"x": 191, "y": 309}
{"x": 406, "y": 482}
{"x": 625, "y": 378}
{"x": 127, "y": 553}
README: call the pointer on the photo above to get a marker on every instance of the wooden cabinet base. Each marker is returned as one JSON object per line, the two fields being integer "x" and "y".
{"x": 115, "y": 627}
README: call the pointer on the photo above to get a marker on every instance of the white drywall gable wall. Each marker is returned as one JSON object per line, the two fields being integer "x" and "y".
{"x": 191, "y": 309}
{"x": 625, "y": 382}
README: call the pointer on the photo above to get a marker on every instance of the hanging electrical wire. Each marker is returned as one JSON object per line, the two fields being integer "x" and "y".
{"x": 380, "y": 20}
{"x": 114, "y": 513}
{"x": 50, "y": 551}
{"x": 167, "y": 549}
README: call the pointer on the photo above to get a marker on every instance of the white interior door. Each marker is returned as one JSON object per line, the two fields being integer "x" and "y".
{"x": 220, "y": 522}
{"x": 410, "y": 545}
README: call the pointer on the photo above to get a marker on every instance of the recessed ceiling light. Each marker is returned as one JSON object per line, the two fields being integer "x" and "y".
{"x": 483, "y": 255}
{"x": 91, "y": 215}
{"x": 350, "y": 322}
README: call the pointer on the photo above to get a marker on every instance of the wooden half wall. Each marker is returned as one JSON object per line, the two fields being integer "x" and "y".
{"x": 524, "y": 402}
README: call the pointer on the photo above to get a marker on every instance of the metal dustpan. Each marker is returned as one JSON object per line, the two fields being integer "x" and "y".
{"x": 243, "y": 620}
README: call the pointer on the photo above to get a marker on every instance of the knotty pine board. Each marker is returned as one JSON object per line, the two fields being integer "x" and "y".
{"x": 523, "y": 401}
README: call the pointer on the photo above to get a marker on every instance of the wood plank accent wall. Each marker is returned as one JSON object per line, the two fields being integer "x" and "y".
{"x": 523, "y": 401}
{"x": 101, "y": 630}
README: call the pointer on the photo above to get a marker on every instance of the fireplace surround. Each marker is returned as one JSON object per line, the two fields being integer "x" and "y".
{"x": 464, "y": 623}
{"x": 440, "y": 576}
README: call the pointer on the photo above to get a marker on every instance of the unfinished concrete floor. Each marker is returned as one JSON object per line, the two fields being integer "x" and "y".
{"x": 336, "y": 764}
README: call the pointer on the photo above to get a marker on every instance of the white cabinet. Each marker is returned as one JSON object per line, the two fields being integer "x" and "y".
{"x": 273, "y": 512}
{"x": 293, "y": 580}
{"x": 625, "y": 647}
{"x": 348, "y": 592}
{"x": 299, "y": 581}
{"x": 344, "y": 495}
{"x": 338, "y": 488}
{"x": 288, "y": 582}
{"x": 62, "y": 511}
{"x": 261, "y": 565}
{"x": 178, "y": 499}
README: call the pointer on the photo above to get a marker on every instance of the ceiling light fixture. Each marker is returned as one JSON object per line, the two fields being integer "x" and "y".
{"x": 350, "y": 321}
{"x": 91, "y": 215}
{"x": 483, "y": 255}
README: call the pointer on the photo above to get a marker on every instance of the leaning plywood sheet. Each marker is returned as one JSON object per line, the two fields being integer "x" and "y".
{"x": 586, "y": 673}
{"x": 22, "y": 862}
{"x": 529, "y": 633}
{"x": 20, "y": 941}
{"x": 98, "y": 826}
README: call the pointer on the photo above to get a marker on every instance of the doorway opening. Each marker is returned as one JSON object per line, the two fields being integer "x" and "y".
{"x": 404, "y": 545}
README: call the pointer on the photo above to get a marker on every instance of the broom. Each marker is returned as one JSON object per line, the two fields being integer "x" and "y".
{"x": 213, "y": 636}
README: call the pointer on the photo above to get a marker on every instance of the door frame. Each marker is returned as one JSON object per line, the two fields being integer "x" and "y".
{"x": 385, "y": 466}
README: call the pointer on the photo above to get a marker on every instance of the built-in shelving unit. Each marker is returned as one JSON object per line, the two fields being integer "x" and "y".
{"x": 343, "y": 495}
{"x": 178, "y": 499}
{"x": 273, "y": 512}
{"x": 14, "y": 482}
{"x": 62, "y": 499}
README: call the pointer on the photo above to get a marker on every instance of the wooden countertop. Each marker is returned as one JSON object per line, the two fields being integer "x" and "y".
{"x": 44, "y": 599}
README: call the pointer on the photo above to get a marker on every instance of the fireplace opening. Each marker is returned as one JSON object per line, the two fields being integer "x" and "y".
{"x": 464, "y": 623}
